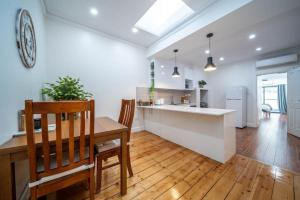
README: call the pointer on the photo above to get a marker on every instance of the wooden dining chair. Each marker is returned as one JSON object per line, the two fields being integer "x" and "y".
{"x": 103, "y": 151}
{"x": 66, "y": 155}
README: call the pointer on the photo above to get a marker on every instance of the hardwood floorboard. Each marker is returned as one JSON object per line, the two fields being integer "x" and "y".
{"x": 226, "y": 182}
{"x": 243, "y": 187}
{"x": 297, "y": 187}
{"x": 166, "y": 171}
{"x": 283, "y": 187}
{"x": 263, "y": 186}
{"x": 270, "y": 143}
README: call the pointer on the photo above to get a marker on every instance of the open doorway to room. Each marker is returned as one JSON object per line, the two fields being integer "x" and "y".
{"x": 272, "y": 96}
{"x": 270, "y": 141}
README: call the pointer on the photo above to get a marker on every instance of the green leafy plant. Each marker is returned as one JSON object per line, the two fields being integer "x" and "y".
{"x": 66, "y": 88}
{"x": 202, "y": 83}
{"x": 152, "y": 89}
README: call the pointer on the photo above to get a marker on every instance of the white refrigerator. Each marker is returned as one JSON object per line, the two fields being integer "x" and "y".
{"x": 236, "y": 99}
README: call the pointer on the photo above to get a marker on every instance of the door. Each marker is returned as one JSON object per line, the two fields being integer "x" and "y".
{"x": 293, "y": 102}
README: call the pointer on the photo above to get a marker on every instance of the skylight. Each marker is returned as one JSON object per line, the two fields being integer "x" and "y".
{"x": 164, "y": 15}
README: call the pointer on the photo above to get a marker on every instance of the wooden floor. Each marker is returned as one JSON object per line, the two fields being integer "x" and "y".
{"x": 166, "y": 171}
{"x": 270, "y": 143}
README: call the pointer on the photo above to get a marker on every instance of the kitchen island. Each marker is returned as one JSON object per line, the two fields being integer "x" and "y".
{"x": 208, "y": 131}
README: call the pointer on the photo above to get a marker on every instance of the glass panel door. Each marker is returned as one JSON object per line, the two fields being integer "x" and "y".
{"x": 270, "y": 96}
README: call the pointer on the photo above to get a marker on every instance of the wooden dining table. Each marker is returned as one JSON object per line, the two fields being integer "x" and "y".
{"x": 15, "y": 150}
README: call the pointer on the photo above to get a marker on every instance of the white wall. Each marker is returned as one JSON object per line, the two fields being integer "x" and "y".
{"x": 108, "y": 68}
{"x": 200, "y": 74}
{"x": 237, "y": 74}
{"x": 16, "y": 82}
{"x": 281, "y": 68}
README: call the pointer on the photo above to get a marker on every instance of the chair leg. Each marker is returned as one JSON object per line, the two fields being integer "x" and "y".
{"x": 99, "y": 173}
{"x": 33, "y": 193}
{"x": 129, "y": 163}
{"x": 92, "y": 184}
{"x": 87, "y": 185}
{"x": 119, "y": 156}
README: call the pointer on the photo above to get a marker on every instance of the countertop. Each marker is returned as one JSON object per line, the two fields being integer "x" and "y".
{"x": 187, "y": 109}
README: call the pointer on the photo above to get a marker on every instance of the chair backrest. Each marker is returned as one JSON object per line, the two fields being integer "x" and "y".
{"x": 64, "y": 133}
{"x": 126, "y": 114}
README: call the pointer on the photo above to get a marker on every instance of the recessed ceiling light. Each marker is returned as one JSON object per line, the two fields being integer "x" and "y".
{"x": 221, "y": 58}
{"x": 94, "y": 11}
{"x": 207, "y": 51}
{"x": 258, "y": 49}
{"x": 135, "y": 30}
{"x": 164, "y": 15}
{"x": 252, "y": 36}
{"x": 162, "y": 66}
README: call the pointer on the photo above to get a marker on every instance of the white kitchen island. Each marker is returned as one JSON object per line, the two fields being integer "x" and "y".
{"x": 208, "y": 131}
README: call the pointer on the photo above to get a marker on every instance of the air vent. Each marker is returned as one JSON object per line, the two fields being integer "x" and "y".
{"x": 281, "y": 60}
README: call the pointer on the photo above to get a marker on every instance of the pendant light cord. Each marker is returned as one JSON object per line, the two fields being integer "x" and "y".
{"x": 175, "y": 60}
{"x": 209, "y": 47}
{"x": 209, "y": 36}
{"x": 175, "y": 56}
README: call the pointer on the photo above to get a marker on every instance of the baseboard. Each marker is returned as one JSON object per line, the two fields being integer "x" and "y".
{"x": 137, "y": 129}
{"x": 253, "y": 125}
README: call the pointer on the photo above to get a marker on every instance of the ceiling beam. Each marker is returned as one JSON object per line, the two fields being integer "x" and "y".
{"x": 206, "y": 17}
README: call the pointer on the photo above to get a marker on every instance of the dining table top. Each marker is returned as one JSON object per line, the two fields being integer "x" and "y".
{"x": 103, "y": 126}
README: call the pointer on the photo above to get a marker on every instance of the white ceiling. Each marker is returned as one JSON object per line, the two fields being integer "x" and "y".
{"x": 116, "y": 17}
{"x": 276, "y": 24}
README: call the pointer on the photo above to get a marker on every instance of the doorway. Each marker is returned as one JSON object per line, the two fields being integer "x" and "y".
{"x": 270, "y": 142}
{"x": 271, "y": 95}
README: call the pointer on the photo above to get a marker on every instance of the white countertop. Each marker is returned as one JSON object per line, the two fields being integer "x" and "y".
{"x": 187, "y": 109}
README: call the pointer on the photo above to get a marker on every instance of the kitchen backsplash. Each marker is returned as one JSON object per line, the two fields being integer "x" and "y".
{"x": 168, "y": 95}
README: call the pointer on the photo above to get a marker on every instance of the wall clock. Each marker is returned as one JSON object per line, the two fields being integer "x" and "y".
{"x": 26, "y": 42}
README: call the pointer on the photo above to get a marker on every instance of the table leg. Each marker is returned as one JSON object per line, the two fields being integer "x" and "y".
{"x": 6, "y": 183}
{"x": 123, "y": 167}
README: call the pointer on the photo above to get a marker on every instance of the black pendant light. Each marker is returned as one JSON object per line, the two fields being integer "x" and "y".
{"x": 210, "y": 66}
{"x": 175, "y": 73}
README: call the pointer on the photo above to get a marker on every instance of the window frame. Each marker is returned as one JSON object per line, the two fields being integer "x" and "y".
{"x": 264, "y": 94}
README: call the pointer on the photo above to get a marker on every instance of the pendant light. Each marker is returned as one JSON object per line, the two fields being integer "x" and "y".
{"x": 210, "y": 66}
{"x": 175, "y": 73}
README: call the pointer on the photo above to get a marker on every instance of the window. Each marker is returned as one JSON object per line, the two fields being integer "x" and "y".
{"x": 270, "y": 96}
{"x": 163, "y": 15}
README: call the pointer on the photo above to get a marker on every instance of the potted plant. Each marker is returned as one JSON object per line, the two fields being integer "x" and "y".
{"x": 202, "y": 83}
{"x": 66, "y": 88}
{"x": 151, "y": 89}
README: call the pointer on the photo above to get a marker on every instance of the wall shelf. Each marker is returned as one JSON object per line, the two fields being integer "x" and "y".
{"x": 175, "y": 89}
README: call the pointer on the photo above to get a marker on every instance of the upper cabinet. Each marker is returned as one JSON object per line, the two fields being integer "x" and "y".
{"x": 188, "y": 73}
{"x": 163, "y": 74}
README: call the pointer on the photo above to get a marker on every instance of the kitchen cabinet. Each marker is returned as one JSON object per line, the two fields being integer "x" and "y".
{"x": 189, "y": 73}
{"x": 163, "y": 75}
{"x": 202, "y": 97}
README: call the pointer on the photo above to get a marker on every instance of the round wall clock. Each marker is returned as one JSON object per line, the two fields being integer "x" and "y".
{"x": 26, "y": 42}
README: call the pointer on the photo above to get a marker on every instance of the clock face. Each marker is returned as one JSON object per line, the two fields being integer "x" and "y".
{"x": 26, "y": 38}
